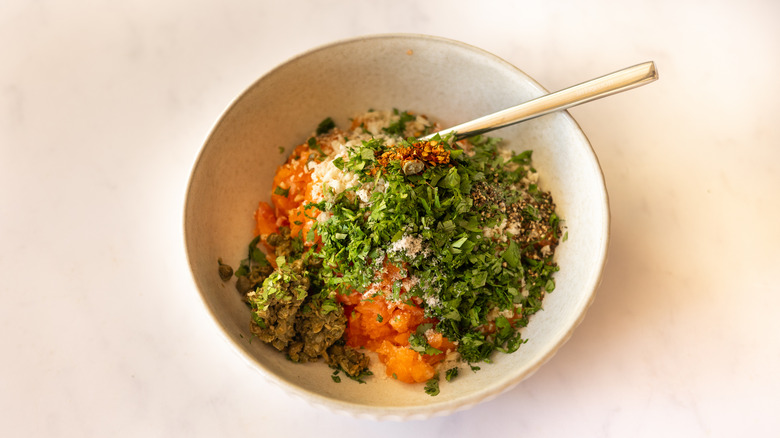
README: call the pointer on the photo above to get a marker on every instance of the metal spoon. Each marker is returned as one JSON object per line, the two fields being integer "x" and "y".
{"x": 593, "y": 89}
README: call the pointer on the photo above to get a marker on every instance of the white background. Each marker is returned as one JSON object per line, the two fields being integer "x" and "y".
{"x": 104, "y": 106}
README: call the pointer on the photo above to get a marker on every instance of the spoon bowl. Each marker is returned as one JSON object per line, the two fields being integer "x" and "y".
{"x": 607, "y": 85}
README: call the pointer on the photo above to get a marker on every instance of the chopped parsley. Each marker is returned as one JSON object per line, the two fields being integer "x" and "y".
{"x": 451, "y": 374}
{"x": 468, "y": 272}
{"x": 432, "y": 387}
{"x": 398, "y": 127}
{"x": 325, "y": 126}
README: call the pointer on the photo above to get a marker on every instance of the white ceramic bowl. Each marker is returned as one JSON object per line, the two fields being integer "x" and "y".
{"x": 449, "y": 81}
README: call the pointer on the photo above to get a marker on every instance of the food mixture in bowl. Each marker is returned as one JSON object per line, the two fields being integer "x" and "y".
{"x": 431, "y": 254}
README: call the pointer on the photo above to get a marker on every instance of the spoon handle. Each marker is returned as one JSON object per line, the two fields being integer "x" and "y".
{"x": 593, "y": 89}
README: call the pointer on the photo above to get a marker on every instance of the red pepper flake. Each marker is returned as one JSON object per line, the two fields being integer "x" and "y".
{"x": 431, "y": 153}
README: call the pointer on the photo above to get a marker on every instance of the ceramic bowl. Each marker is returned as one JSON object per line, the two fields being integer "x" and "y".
{"x": 450, "y": 82}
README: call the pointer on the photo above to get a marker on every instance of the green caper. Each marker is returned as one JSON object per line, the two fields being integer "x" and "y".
{"x": 225, "y": 270}
{"x": 244, "y": 285}
{"x": 413, "y": 167}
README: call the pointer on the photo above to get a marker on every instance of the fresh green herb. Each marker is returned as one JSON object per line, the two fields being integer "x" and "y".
{"x": 360, "y": 378}
{"x": 419, "y": 343}
{"x": 325, "y": 126}
{"x": 281, "y": 192}
{"x": 451, "y": 374}
{"x": 399, "y": 126}
{"x": 512, "y": 255}
{"x": 314, "y": 145}
{"x": 432, "y": 387}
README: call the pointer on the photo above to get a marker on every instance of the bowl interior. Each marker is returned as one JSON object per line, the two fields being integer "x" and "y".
{"x": 450, "y": 82}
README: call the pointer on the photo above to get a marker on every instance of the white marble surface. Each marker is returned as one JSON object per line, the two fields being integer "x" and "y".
{"x": 105, "y": 104}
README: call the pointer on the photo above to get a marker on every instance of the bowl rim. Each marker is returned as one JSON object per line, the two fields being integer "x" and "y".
{"x": 399, "y": 413}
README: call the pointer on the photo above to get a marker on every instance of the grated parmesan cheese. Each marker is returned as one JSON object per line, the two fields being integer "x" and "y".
{"x": 327, "y": 175}
{"x": 409, "y": 245}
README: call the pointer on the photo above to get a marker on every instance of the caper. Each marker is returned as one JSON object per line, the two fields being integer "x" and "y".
{"x": 412, "y": 167}
{"x": 274, "y": 239}
{"x": 244, "y": 285}
{"x": 225, "y": 271}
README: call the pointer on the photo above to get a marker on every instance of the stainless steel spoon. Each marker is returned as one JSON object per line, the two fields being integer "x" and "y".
{"x": 603, "y": 86}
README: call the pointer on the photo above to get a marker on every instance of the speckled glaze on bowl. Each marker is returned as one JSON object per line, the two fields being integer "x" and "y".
{"x": 449, "y": 81}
